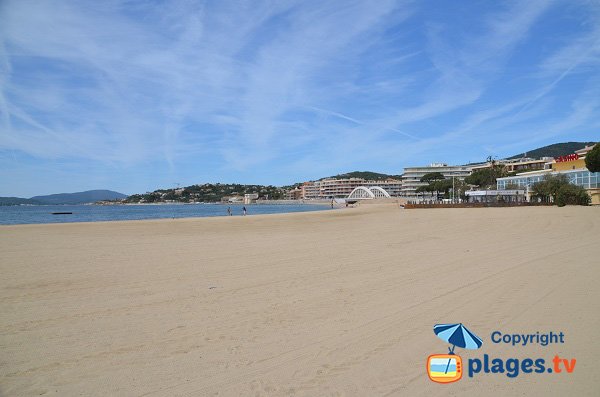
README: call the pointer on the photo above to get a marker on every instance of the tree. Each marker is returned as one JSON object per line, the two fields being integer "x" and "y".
{"x": 432, "y": 177}
{"x": 442, "y": 186}
{"x": 460, "y": 187}
{"x": 486, "y": 177}
{"x": 592, "y": 159}
{"x": 547, "y": 189}
{"x": 559, "y": 190}
{"x": 572, "y": 195}
{"x": 436, "y": 182}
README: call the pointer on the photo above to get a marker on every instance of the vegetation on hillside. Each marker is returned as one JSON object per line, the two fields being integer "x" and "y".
{"x": 206, "y": 193}
{"x": 554, "y": 150}
{"x": 367, "y": 175}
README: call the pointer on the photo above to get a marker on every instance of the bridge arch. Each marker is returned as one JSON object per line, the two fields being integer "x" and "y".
{"x": 379, "y": 192}
{"x": 361, "y": 193}
{"x": 368, "y": 193}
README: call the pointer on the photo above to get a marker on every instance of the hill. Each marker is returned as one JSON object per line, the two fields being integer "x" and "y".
{"x": 17, "y": 201}
{"x": 554, "y": 150}
{"x": 368, "y": 175}
{"x": 207, "y": 193}
{"x": 90, "y": 196}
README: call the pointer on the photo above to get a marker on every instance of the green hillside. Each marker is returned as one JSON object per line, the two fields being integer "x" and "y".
{"x": 207, "y": 193}
{"x": 368, "y": 175}
{"x": 554, "y": 150}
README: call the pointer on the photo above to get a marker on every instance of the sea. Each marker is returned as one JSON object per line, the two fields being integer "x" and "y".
{"x": 30, "y": 214}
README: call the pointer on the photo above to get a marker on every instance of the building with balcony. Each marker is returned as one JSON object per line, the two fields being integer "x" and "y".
{"x": 411, "y": 179}
{"x": 572, "y": 166}
{"x": 311, "y": 190}
{"x": 341, "y": 188}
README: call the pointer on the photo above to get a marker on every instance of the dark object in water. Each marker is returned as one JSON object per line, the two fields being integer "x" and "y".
{"x": 62, "y": 213}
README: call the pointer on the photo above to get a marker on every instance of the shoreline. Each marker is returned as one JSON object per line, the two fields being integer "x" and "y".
{"x": 169, "y": 218}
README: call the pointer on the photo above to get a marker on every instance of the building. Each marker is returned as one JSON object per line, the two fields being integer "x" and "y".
{"x": 515, "y": 165}
{"x": 573, "y": 166}
{"x": 411, "y": 179}
{"x": 341, "y": 188}
{"x": 311, "y": 190}
{"x": 495, "y": 196}
{"x": 250, "y": 198}
{"x": 293, "y": 194}
{"x": 232, "y": 199}
{"x": 392, "y": 186}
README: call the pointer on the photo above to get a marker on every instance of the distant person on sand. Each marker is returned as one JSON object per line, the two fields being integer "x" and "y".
{"x": 229, "y": 211}
{"x": 244, "y": 210}
{"x": 331, "y": 204}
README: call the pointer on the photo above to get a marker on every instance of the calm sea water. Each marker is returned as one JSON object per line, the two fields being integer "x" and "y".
{"x": 12, "y": 215}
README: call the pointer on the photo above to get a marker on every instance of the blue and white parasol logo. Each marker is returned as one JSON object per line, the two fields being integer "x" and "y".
{"x": 457, "y": 335}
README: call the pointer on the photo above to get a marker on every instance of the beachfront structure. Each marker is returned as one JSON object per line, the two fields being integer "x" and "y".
{"x": 411, "y": 179}
{"x": 515, "y": 165}
{"x": 495, "y": 196}
{"x": 311, "y": 190}
{"x": 294, "y": 194}
{"x": 573, "y": 166}
{"x": 232, "y": 199}
{"x": 368, "y": 193}
{"x": 341, "y": 188}
{"x": 250, "y": 198}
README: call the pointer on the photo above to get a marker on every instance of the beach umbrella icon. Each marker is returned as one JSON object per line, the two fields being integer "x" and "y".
{"x": 457, "y": 335}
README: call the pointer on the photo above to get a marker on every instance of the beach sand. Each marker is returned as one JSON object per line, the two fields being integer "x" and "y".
{"x": 310, "y": 304}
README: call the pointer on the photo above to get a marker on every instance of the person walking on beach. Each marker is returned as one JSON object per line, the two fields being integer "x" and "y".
{"x": 244, "y": 210}
{"x": 332, "y": 204}
{"x": 229, "y": 211}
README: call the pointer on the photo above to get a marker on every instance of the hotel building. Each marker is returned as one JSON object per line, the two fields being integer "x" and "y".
{"x": 411, "y": 179}
{"x": 573, "y": 166}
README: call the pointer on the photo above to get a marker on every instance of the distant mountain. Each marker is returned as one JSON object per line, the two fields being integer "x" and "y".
{"x": 17, "y": 201}
{"x": 554, "y": 150}
{"x": 89, "y": 196}
{"x": 367, "y": 175}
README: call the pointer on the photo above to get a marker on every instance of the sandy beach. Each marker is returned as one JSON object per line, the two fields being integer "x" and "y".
{"x": 337, "y": 303}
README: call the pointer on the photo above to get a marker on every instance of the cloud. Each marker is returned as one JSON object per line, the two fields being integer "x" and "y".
{"x": 281, "y": 89}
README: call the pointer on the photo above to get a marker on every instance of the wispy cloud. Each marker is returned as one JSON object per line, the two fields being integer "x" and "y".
{"x": 281, "y": 91}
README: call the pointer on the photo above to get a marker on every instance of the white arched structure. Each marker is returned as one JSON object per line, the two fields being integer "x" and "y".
{"x": 379, "y": 192}
{"x": 368, "y": 193}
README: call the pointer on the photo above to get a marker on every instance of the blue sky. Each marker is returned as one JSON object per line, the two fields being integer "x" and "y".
{"x": 134, "y": 96}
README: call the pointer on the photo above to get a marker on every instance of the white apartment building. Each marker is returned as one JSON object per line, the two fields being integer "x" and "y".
{"x": 411, "y": 179}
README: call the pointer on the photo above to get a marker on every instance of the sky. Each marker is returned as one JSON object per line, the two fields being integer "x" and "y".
{"x": 134, "y": 96}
